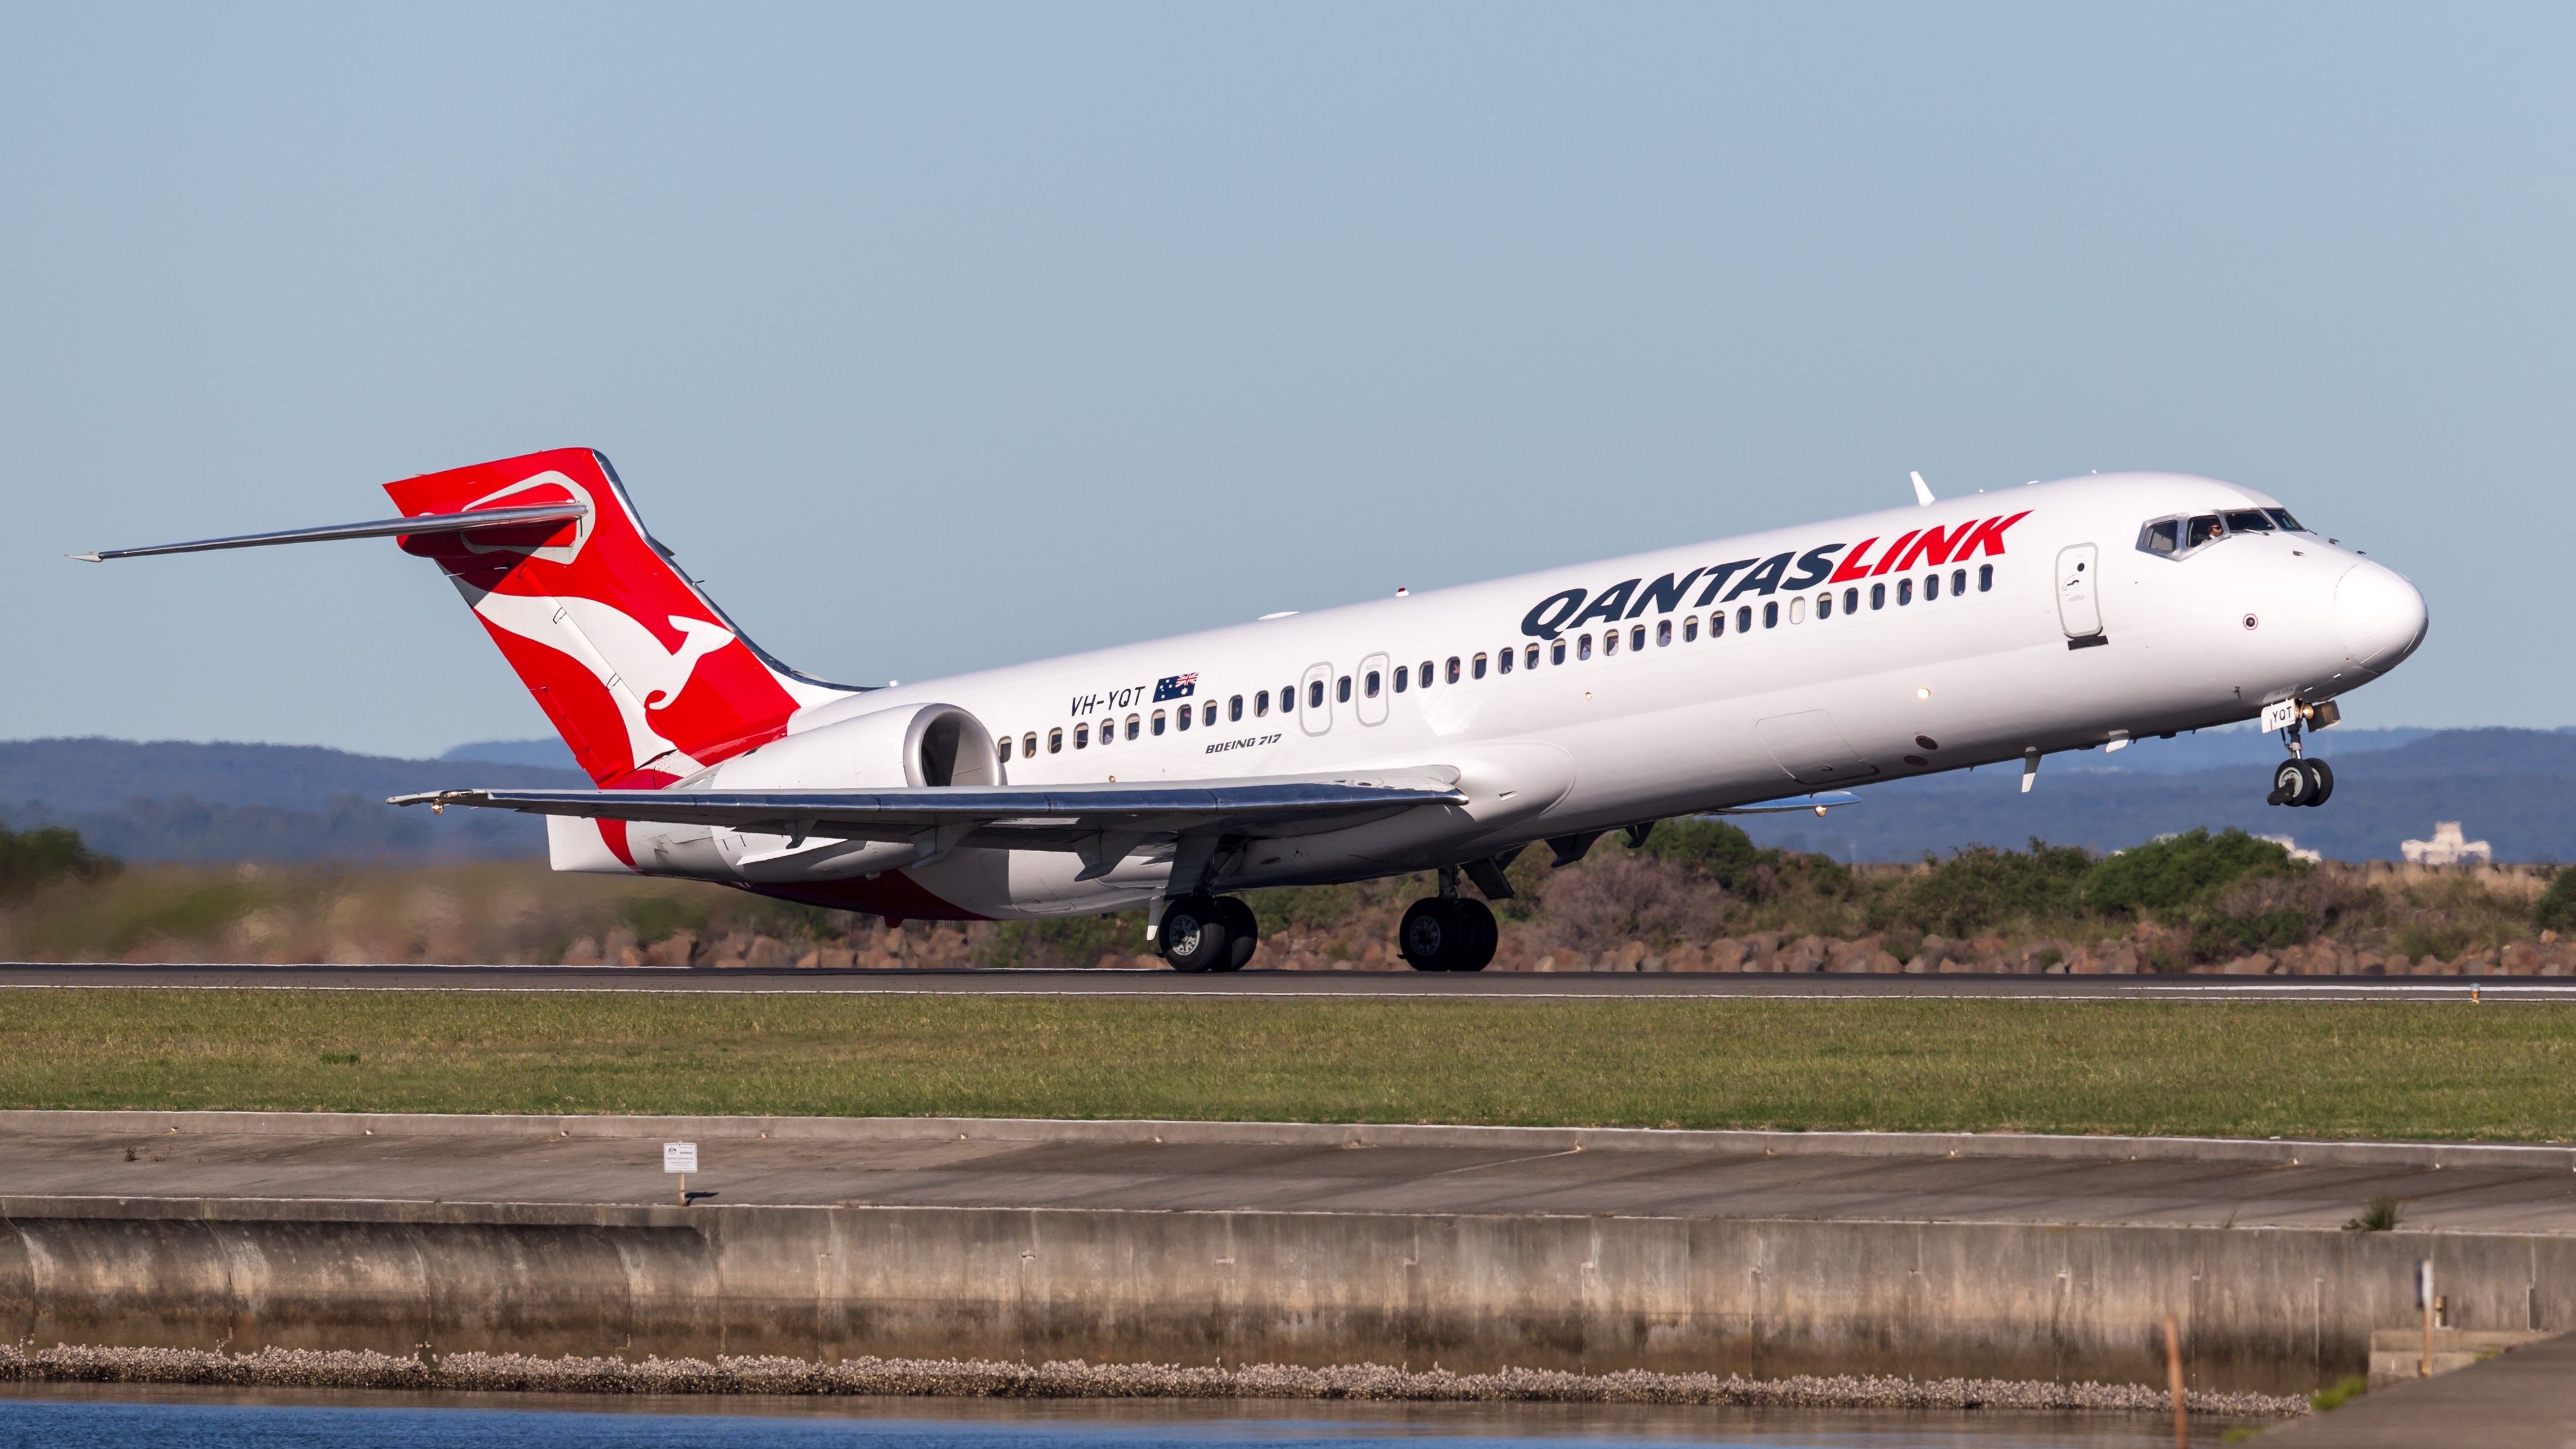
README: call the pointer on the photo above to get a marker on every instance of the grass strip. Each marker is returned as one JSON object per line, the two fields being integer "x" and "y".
{"x": 2323, "y": 1069}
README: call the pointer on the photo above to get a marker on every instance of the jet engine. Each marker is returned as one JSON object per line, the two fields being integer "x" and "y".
{"x": 925, "y": 744}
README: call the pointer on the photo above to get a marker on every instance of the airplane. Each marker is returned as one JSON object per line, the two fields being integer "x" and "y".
{"x": 1444, "y": 731}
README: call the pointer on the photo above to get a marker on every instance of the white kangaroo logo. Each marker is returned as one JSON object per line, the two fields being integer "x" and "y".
{"x": 639, "y": 674}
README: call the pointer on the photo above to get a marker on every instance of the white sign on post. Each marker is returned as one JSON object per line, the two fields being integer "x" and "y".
{"x": 679, "y": 1157}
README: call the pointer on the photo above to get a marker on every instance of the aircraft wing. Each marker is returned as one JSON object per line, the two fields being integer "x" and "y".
{"x": 1062, "y": 817}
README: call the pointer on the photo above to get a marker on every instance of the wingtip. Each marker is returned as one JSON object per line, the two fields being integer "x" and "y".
{"x": 86, "y": 557}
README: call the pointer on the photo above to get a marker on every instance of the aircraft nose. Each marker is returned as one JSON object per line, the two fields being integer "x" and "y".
{"x": 2381, "y": 615}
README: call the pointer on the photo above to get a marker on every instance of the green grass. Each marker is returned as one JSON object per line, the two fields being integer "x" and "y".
{"x": 2305, "y": 1069}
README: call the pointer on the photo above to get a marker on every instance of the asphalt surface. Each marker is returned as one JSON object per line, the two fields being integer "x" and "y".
{"x": 2525, "y": 1399}
{"x": 1888, "y": 1179}
{"x": 1536, "y": 986}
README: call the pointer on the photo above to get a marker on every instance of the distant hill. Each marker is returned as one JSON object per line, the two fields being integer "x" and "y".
{"x": 178, "y": 800}
{"x": 171, "y": 800}
{"x": 2516, "y": 788}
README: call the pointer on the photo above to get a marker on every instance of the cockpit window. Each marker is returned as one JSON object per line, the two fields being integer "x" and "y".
{"x": 2164, "y": 536}
{"x": 2207, "y": 528}
{"x": 2282, "y": 517}
{"x": 2249, "y": 520}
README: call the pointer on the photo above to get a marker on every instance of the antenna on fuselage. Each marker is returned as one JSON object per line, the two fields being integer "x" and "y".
{"x": 1922, "y": 490}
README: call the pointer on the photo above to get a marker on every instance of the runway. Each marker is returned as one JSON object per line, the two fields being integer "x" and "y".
{"x": 1625, "y": 986}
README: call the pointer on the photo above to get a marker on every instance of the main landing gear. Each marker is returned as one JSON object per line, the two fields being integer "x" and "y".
{"x": 1448, "y": 932}
{"x": 2299, "y": 780}
{"x": 1207, "y": 933}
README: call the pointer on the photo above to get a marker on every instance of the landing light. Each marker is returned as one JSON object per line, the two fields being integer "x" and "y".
{"x": 1923, "y": 693}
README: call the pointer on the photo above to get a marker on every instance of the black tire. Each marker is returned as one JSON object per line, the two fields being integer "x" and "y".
{"x": 2291, "y": 784}
{"x": 2321, "y": 775}
{"x": 1193, "y": 936}
{"x": 1484, "y": 934}
{"x": 1242, "y": 932}
{"x": 1434, "y": 935}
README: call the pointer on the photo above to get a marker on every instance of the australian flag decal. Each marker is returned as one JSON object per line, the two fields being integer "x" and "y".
{"x": 1177, "y": 686}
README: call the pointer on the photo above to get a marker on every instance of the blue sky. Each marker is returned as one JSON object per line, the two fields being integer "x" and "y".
{"x": 941, "y": 337}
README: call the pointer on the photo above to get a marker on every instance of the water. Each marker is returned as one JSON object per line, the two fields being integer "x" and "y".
{"x": 139, "y": 1417}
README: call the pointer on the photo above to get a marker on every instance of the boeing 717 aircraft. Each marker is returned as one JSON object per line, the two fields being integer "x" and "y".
{"x": 1445, "y": 731}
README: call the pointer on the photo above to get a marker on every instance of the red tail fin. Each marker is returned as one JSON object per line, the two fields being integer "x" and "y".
{"x": 641, "y": 673}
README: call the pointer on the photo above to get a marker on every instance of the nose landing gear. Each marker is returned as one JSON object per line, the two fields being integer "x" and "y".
{"x": 2299, "y": 780}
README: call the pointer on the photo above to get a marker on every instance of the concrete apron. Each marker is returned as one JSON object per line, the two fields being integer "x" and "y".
{"x": 2271, "y": 1310}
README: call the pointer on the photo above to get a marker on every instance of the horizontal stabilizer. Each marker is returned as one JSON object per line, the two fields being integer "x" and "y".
{"x": 428, "y": 523}
{"x": 1064, "y": 817}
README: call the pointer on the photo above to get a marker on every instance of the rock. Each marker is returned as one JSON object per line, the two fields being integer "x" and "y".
{"x": 583, "y": 952}
{"x": 1726, "y": 956}
{"x": 1807, "y": 955}
{"x": 2257, "y": 964}
{"x": 672, "y": 950}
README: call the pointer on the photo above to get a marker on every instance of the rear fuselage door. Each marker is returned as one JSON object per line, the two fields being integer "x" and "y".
{"x": 1315, "y": 699}
{"x": 2079, "y": 606}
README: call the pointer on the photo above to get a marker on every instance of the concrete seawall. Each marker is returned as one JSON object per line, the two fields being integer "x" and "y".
{"x": 2266, "y": 1309}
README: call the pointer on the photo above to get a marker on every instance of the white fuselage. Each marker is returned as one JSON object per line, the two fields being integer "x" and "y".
{"x": 2044, "y": 656}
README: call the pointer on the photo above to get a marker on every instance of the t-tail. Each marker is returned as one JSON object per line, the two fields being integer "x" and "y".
{"x": 639, "y": 671}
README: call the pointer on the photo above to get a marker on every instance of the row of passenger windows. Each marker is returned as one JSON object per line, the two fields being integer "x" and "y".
{"x": 1455, "y": 669}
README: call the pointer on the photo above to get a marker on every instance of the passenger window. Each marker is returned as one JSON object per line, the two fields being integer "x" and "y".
{"x": 1610, "y": 642}
{"x": 1453, "y": 669}
{"x": 1851, "y": 601}
{"x": 2207, "y": 528}
{"x": 2162, "y": 537}
{"x": 1744, "y": 619}
{"x": 1505, "y": 659}
{"x": 1055, "y": 741}
{"x": 1717, "y": 625}
{"x": 1931, "y": 587}
{"x": 1583, "y": 647}
{"x": 1158, "y": 721}
{"x": 1771, "y": 614}
{"x": 1985, "y": 577}
{"x": 1109, "y": 732}
{"x": 1131, "y": 726}
{"x": 1209, "y": 718}
{"x": 1690, "y": 629}
{"x": 1403, "y": 677}
{"x": 1029, "y": 745}
{"x": 1637, "y": 636}
{"x": 2248, "y": 520}
{"x": 1082, "y": 737}
{"x": 1288, "y": 698}
{"x": 1556, "y": 652}
{"x": 1825, "y": 604}
{"x": 1315, "y": 695}
{"x": 1370, "y": 684}
{"x": 1663, "y": 632}
{"x": 1342, "y": 690}
{"x": 1185, "y": 716}
{"x": 1007, "y": 742}
{"x": 1958, "y": 582}
{"x": 1904, "y": 592}
{"x": 1476, "y": 667}
{"x": 1798, "y": 610}
{"x": 1233, "y": 708}
{"x": 1532, "y": 660}
{"x": 1261, "y": 704}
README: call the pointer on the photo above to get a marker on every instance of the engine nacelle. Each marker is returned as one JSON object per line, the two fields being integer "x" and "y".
{"x": 925, "y": 744}
{"x": 929, "y": 744}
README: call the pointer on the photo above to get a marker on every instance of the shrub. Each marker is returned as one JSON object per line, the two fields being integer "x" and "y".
{"x": 1721, "y": 852}
{"x": 655, "y": 918}
{"x": 1066, "y": 941}
{"x": 33, "y": 859}
{"x": 2181, "y": 871}
{"x": 2379, "y": 1217}
{"x": 2338, "y": 1394}
{"x": 1981, "y": 887}
{"x": 1621, "y": 896}
{"x": 2556, "y": 909}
